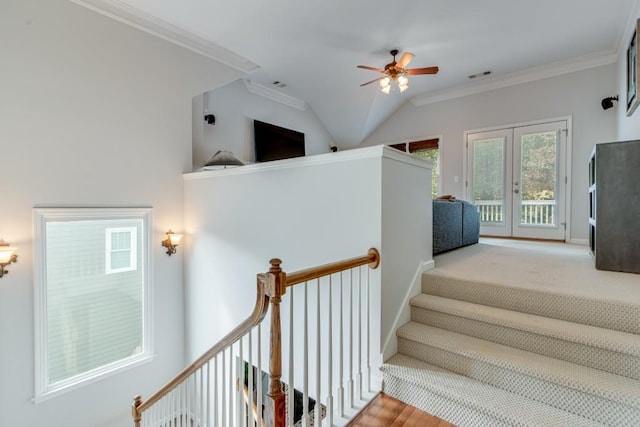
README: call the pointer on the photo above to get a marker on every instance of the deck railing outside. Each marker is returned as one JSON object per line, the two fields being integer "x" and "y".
{"x": 532, "y": 212}
{"x": 240, "y": 381}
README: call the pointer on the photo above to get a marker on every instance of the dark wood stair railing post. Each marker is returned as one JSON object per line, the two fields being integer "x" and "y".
{"x": 135, "y": 411}
{"x": 276, "y": 399}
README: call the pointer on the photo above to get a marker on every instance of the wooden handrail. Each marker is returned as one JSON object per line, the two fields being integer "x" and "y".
{"x": 372, "y": 258}
{"x": 259, "y": 312}
{"x": 270, "y": 289}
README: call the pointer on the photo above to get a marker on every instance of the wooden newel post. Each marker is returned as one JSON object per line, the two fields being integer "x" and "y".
{"x": 276, "y": 399}
{"x": 135, "y": 412}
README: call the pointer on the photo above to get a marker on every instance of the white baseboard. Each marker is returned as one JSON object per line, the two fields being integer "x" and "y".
{"x": 582, "y": 242}
{"x": 390, "y": 346}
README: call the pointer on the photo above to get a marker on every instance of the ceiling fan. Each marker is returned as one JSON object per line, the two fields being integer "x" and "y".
{"x": 397, "y": 72}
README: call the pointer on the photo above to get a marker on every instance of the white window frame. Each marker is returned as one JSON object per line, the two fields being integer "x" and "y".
{"x": 133, "y": 249}
{"x": 438, "y": 163}
{"x": 43, "y": 389}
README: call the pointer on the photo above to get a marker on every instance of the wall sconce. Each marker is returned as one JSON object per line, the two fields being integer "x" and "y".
{"x": 7, "y": 256}
{"x": 171, "y": 242}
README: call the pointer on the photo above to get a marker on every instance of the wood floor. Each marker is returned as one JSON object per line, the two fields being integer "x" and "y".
{"x": 386, "y": 411}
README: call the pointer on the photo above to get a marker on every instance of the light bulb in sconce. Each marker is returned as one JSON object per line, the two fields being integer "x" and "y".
{"x": 171, "y": 242}
{"x": 7, "y": 256}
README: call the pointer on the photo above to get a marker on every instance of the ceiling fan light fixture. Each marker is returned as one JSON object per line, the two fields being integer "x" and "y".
{"x": 395, "y": 74}
{"x": 403, "y": 83}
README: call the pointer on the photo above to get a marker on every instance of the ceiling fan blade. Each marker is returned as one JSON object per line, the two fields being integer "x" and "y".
{"x": 366, "y": 67}
{"x": 426, "y": 70}
{"x": 373, "y": 81}
{"x": 405, "y": 59}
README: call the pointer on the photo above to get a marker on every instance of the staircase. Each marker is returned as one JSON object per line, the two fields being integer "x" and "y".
{"x": 483, "y": 354}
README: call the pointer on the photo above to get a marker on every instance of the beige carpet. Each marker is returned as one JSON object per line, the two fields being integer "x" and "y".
{"x": 520, "y": 333}
{"x": 549, "y": 267}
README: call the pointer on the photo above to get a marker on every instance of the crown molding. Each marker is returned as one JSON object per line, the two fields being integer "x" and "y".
{"x": 519, "y": 77}
{"x": 136, "y": 18}
{"x": 274, "y": 95}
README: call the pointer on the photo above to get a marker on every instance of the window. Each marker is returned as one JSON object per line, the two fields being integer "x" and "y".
{"x": 425, "y": 149}
{"x": 90, "y": 322}
{"x": 121, "y": 250}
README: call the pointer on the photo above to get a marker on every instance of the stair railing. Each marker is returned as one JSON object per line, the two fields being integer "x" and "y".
{"x": 209, "y": 392}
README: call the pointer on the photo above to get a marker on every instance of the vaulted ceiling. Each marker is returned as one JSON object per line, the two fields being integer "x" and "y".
{"x": 314, "y": 46}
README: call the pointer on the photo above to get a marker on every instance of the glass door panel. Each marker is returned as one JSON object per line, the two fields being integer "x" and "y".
{"x": 516, "y": 178}
{"x": 489, "y": 178}
{"x": 537, "y": 193}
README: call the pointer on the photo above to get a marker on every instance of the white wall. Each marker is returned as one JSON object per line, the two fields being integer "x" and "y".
{"x": 628, "y": 127}
{"x": 92, "y": 113}
{"x": 307, "y": 212}
{"x": 577, "y": 94}
{"x": 235, "y": 109}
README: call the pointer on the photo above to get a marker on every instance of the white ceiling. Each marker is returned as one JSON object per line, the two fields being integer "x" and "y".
{"x": 314, "y": 46}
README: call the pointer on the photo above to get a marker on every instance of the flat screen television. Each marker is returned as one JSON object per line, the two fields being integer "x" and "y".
{"x": 275, "y": 143}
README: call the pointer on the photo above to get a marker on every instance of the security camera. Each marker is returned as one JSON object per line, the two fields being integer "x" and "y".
{"x": 608, "y": 102}
{"x": 210, "y": 118}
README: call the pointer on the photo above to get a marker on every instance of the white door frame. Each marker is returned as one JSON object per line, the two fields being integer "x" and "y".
{"x": 567, "y": 160}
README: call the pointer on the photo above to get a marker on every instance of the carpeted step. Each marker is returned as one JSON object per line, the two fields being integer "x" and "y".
{"x": 467, "y": 402}
{"x": 593, "y": 394}
{"x": 608, "y": 314}
{"x": 604, "y": 349}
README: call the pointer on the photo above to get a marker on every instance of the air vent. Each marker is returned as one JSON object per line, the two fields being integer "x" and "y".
{"x": 482, "y": 74}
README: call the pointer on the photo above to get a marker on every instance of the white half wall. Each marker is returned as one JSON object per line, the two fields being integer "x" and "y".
{"x": 307, "y": 212}
{"x": 92, "y": 113}
{"x": 577, "y": 94}
{"x": 235, "y": 109}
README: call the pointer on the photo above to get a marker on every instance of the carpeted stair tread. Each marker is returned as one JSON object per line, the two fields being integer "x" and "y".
{"x": 609, "y": 314}
{"x": 621, "y": 342}
{"x": 603, "y": 385}
{"x": 467, "y": 402}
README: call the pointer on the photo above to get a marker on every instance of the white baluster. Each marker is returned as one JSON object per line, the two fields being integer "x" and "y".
{"x": 223, "y": 391}
{"x": 290, "y": 389}
{"x": 351, "y": 383}
{"x": 359, "y": 374}
{"x": 305, "y": 358}
{"x": 230, "y": 374}
{"x": 368, "y": 341}
{"x": 318, "y": 422}
{"x": 250, "y": 380}
{"x": 330, "y": 353}
{"x": 341, "y": 354}
{"x": 259, "y": 373}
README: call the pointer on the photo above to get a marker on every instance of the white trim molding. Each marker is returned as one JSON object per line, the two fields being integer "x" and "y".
{"x": 519, "y": 77}
{"x": 274, "y": 95}
{"x": 136, "y": 18}
{"x": 373, "y": 151}
{"x": 390, "y": 346}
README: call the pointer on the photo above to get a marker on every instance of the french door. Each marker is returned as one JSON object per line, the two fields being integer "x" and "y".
{"x": 516, "y": 177}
